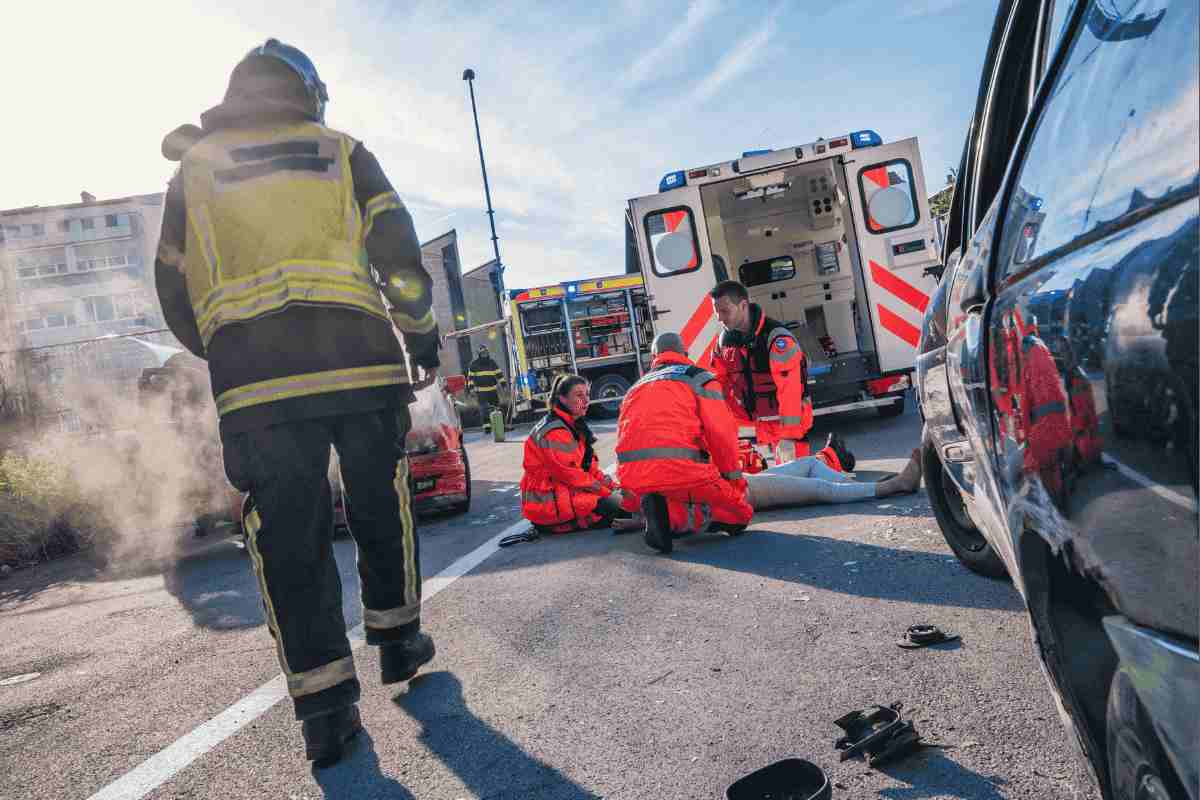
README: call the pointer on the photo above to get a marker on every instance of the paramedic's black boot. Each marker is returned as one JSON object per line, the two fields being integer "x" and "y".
{"x": 325, "y": 737}
{"x": 658, "y": 523}
{"x": 399, "y": 661}
{"x": 838, "y": 445}
{"x": 732, "y": 528}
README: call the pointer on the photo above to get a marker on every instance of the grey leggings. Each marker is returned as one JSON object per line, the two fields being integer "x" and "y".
{"x": 803, "y": 482}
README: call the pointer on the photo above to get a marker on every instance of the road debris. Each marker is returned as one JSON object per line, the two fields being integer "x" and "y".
{"x": 922, "y": 635}
{"x": 789, "y": 779}
{"x": 878, "y": 734}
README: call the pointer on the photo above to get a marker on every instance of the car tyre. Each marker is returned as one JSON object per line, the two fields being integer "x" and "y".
{"x": 608, "y": 387}
{"x": 1137, "y": 767}
{"x": 891, "y": 410}
{"x": 465, "y": 505}
{"x": 960, "y": 533}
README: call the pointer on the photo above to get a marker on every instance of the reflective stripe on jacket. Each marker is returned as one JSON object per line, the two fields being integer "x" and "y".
{"x": 484, "y": 375}
{"x": 557, "y": 487}
{"x": 675, "y": 429}
{"x": 765, "y": 380}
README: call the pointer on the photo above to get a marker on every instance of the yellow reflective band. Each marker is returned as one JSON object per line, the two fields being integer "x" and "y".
{"x": 391, "y": 617}
{"x": 203, "y": 229}
{"x": 321, "y": 678}
{"x": 334, "y": 380}
{"x": 408, "y": 537}
{"x": 292, "y": 292}
{"x": 387, "y": 201}
{"x": 334, "y": 273}
{"x": 252, "y": 524}
{"x": 486, "y": 372}
{"x": 409, "y": 324}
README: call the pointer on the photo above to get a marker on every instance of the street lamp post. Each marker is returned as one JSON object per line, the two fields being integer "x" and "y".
{"x": 469, "y": 77}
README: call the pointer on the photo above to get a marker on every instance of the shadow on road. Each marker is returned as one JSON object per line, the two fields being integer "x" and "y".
{"x": 219, "y": 591}
{"x": 933, "y": 775}
{"x": 484, "y": 759}
{"x": 358, "y": 775}
{"x": 883, "y": 572}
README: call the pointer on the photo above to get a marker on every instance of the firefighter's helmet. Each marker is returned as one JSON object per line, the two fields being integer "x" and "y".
{"x": 300, "y": 64}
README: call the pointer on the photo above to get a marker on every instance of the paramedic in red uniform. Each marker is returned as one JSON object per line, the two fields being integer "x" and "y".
{"x": 563, "y": 488}
{"x": 764, "y": 373}
{"x": 677, "y": 448}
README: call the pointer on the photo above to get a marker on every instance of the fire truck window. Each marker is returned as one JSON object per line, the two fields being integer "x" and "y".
{"x": 770, "y": 270}
{"x": 888, "y": 195}
{"x": 673, "y": 246}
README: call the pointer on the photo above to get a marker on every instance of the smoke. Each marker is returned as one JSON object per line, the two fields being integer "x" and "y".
{"x": 145, "y": 465}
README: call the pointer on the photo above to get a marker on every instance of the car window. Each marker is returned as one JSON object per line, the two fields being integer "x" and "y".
{"x": 1118, "y": 132}
{"x": 1060, "y": 13}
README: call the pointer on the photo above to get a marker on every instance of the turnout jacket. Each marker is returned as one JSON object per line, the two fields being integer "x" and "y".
{"x": 484, "y": 375}
{"x": 764, "y": 376}
{"x": 281, "y": 239}
{"x": 675, "y": 430}
{"x": 562, "y": 481}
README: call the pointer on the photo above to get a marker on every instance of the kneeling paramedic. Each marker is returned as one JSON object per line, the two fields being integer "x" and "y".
{"x": 677, "y": 448}
{"x": 269, "y": 226}
{"x": 763, "y": 373}
{"x": 563, "y": 488}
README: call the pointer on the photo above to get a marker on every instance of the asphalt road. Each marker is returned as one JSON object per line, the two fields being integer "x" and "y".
{"x": 574, "y": 667}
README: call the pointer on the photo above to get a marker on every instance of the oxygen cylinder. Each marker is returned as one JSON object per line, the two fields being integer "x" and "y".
{"x": 497, "y": 420}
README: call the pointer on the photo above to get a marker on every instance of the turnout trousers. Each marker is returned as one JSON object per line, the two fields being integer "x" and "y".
{"x": 288, "y": 520}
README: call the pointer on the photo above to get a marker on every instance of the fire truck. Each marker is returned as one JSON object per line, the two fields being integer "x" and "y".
{"x": 599, "y": 328}
{"x": 833, "y": 238}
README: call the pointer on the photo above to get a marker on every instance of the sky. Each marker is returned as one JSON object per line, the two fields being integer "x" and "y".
{"x": 582, "y": 106}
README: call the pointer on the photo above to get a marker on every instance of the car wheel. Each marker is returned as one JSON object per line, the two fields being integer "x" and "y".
{"x": 892, "y": 409}
{"x": 608, "y": 387}
{"x": 958, "y": 529}
{"x": 1137, "y": 767}
{"x": 465, "y": 505}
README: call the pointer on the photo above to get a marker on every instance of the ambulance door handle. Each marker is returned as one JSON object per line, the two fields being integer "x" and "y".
{"x": 782, "y": 294}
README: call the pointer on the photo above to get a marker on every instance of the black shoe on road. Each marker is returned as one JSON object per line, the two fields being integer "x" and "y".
{"x": 399, "y": 661}
{"x": 838, "y": 445}
{"x": 658, "y": 523}
{"x": 325, "y": 737}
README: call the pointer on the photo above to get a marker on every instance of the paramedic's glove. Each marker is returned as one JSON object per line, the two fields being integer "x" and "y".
{"x": 785, "y": 451}
{"x": 427, "y": 380}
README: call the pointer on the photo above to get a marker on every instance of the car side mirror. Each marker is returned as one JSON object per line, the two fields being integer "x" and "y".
{"x": 974, "y": 293}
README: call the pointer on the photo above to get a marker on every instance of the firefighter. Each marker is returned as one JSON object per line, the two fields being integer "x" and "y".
{"x": 563, "y": 488}
{"x": 483, "y": 376}
{"x": 677, "y": 449}
{"x": 268, "y": 227}
{"x": 763, "y": 374}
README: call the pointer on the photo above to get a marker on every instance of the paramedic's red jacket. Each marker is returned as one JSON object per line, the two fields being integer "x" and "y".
{"x": 558, "y": 488}
{"x": 764, "y": 376}
{"x": 677, "y": 437}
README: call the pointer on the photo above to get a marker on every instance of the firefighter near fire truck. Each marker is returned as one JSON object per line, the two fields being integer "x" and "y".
{"x": 268, "y": 228}
{"x": 763, "y": 372}
{"x": 483, "y": 377}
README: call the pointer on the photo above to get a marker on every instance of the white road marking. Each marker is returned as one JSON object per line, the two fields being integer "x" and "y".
{"x": 170, "y": 761}
{"x": 1169, "y": 495}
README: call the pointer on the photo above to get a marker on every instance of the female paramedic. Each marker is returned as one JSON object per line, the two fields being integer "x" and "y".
{"x": 563, "y": 488}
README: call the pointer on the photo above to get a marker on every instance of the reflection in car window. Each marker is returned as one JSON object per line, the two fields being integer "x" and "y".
{"x": 1058, "y": 25}
{"x": 1119, "y": 131}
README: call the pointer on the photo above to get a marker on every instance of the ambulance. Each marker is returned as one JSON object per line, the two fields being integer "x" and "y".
{"x": 834, "y": 239}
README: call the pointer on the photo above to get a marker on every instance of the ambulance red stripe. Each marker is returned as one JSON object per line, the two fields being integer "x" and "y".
{"x": 899, "y": 326}
{"x": 891, "y": 282}
{"x": 696, "y": 323}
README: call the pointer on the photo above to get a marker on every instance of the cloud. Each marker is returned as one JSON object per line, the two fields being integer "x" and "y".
{"x": 698, "y": 13}
{"x": 744, "y": 56}
{"x": 916, "y": 9}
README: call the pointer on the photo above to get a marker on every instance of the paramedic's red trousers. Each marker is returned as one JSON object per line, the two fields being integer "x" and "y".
{"x": 692, "y": 508}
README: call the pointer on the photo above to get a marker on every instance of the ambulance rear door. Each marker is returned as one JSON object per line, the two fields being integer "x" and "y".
{"x": 677, "y": 266}
{"x": 896, "y": 241}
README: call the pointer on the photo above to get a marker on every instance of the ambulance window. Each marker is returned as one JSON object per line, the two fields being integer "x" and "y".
{"x": 888, "y": 195}
{"x": 770, "y": 270}
{"x": 674, "y": 249}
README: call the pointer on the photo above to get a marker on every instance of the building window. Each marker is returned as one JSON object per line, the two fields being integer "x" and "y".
{"x": 37, "y": 229}
{"x": 88, "y": 224}
{"x": 99, "y": 309}
{"x": 27, "y": 272}
{"x": 12, "y": 231}
{"x": 110, "y": 220}
{"x": 64, "y": 225}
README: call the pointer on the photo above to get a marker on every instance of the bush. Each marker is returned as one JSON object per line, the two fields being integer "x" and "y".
{"x": 42, "y": 511}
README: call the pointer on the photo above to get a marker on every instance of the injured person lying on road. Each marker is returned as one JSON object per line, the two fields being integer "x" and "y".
{"x": 807, "y": 481}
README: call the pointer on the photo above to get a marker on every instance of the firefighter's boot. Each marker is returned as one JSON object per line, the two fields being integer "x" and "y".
{"x": 658, "y": 523}
{"x": 399, "y": 661}
{"x": 326, "y": 736}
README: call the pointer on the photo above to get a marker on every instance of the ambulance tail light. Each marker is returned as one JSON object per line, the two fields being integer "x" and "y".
{"x": 672, "y": 180}
{"x": 865, "y": 139}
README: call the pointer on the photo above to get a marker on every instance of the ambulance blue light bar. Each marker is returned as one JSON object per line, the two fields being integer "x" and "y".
{"x": 865, "y": 139}
{"x": 749, "y": 153}
{"x": 672, "y": 180}
{"x": 572, "y": 288}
